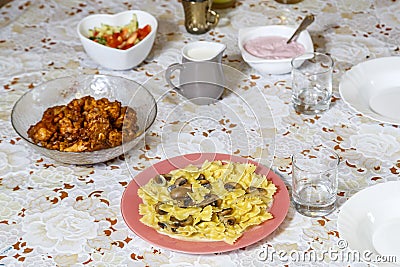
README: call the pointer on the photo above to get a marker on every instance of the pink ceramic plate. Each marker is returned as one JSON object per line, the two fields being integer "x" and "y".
{"x": 130, "y": 206}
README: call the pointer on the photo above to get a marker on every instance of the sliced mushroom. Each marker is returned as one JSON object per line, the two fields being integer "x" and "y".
{"x": 231, "y": 221}
{"x": 179, "y": 192}
{"x": 158, "y": 210}
{"x": 232, "y": 186}
{"x": 189, "y": 220}
{"x": 201, "y": 177}
{"x": 225, "y": 212}
{"x": 224, "y": 217}
{"x": 203, "y": 182}
{"x": 160, "y": 180}
{"x": 213, "y": 200}
{"x": 227, "y": 220}
{"x": 185, "y": 202}
{"x": 210, "y": 199}
{"x": 207, "y": 185}
{"x": 180, "y": 181}
{"x": 255, "y": 190}
{"x": 217, "y": 203}
{"x": 162, "y": 225}
{"x": 187, "y": 186}
{"x": 167, "y": 176}
{"x": 171, "y": 187}
{"x": 174, "y": 221}
{"x": 181, "y": 223}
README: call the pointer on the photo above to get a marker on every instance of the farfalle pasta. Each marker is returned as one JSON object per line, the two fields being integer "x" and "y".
{"x": 217, "y": 202}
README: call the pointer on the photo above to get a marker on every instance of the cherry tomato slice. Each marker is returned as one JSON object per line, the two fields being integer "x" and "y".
{"x": 113, "y": 40}
{"x": 143, "y": 32}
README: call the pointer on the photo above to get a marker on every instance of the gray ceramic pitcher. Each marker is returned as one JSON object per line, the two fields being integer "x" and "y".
{"x": 201, "y": 77}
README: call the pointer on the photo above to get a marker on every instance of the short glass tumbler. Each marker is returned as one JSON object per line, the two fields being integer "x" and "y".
{"x": 314, "y": 181}
{"x": 312, "y": 83}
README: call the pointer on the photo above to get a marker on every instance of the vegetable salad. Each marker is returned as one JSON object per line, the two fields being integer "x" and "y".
{"x": 120, "y": 37}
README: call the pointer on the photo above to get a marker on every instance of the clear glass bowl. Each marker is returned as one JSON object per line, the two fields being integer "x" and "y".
{"x": 29, "y": 109}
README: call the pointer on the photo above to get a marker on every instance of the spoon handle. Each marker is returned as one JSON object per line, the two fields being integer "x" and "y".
{"x": 303, "y": 25}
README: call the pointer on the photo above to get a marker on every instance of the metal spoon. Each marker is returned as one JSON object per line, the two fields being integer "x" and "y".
{"x": 303, "y": 25}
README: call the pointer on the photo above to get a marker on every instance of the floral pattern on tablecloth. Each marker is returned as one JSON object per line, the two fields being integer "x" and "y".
{"x": 52, "y": 214}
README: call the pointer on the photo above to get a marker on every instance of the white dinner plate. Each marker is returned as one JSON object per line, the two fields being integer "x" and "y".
{"x": 370, "y": 221}
{"x": 373, "y": 89}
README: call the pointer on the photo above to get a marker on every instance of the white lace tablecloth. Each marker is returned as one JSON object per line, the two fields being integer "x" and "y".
{"x": 53, "y": 214}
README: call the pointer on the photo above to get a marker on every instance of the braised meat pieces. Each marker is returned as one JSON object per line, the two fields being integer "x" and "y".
{"x": 85, "y": 124}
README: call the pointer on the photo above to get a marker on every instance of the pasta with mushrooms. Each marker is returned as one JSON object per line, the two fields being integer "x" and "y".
{"x": 217, "y": 202}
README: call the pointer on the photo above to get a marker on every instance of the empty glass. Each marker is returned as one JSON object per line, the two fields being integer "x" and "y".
{"x": 312, "y": 82}
{"x": 314, "y": 181}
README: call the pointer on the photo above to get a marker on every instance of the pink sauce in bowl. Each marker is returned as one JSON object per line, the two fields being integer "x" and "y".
{"x": 273, "y": 47}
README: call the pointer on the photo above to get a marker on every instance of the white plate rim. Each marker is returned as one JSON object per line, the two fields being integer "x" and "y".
{"x": 348, "y": 211}
{"x": 344, "y": 91}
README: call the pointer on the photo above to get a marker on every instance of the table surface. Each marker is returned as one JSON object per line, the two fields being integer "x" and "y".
{"x": 66, "y": 215}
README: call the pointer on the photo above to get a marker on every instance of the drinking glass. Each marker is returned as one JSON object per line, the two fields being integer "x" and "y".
{"x": 314, "y": 181}
{"x": 312, "y": 82}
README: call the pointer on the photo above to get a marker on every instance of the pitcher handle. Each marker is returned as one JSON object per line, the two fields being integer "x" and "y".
{"x": 212, "y": 18}
{"x": 171, "y": 68}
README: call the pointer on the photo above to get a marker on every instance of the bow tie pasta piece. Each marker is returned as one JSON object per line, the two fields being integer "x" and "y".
{"x": 218, "y": 201}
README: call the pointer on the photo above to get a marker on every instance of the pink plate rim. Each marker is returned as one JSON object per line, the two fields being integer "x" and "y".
{"x": 130, "y": 206}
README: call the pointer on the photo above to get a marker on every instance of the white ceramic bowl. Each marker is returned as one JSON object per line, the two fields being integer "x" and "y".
{"x": 112, "y": 58}
{"x": 271, "y": 66}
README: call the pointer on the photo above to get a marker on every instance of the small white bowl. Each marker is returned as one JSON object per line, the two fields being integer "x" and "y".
{"x": 271, "y": 66}
{"x": 112, "y": 58}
